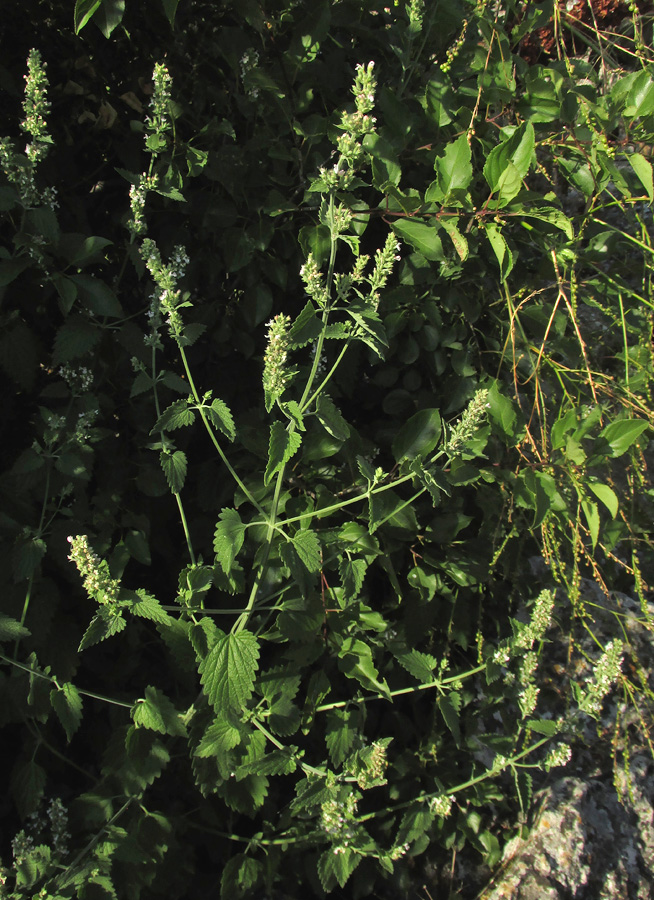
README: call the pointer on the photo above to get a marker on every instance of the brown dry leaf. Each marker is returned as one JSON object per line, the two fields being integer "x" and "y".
{"x": 107, "y": 115}
{"x": 87, "y": 116}
{"x": 72, "y": 87}
{"x": 132, "y": 100}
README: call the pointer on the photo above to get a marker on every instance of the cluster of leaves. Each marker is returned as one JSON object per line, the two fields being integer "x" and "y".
{"x": 303, "y": 597}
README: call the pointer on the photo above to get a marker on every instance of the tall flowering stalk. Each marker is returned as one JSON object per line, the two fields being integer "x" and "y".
{"x": 20, "y": 168}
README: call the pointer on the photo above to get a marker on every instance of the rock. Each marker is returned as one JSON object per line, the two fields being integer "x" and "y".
{"x": 588, "y": 843}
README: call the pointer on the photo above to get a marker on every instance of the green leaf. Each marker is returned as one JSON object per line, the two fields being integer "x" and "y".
{"x": 84, "y": 9}
{"x": 283, "y": 445}
{"x": 640, "y": 101}
{"x": 508, "y": 164}
{"x": 228, "y": 538}
{"x": 11, "y": 630}
{"x": 177, "y": 415}
{"x": 622, "y": 434}
{"x": 27, "y": 787}
{"x": 423, "y": 238}
{"x": 331, "y": 419}
{"x": 80, "y": 250}
{"x": 109, "y": 16}
{"x": 419, "y": 436}
{"x": 386, "y": 171}
{"x": 316, "y": 239}
{"x": 107, "y": 623}
{"x": 341, "y": 731}
{"x": 336, "y": 865}
{"x": 97, "y": 296}
{"x": 220, "y": 737}
{"x": 592, "y": 518}
{"x": 306, "y": 328}
{"x": 451, "y": 226}
{"x": 157, "y": 713}
{"x": 220, "y": 416}
{"x": 67, "y": 703}
{"x": 229, "y": 670}
{"x": 552, "y": 216}
{"x": 174, "y": 467}
{"x": 278, "y": 762}
{"x": 355, "y": 661}
{"x": 643, "y": 169}
{"x": 170, "y": 8}
{"x": 148, "y": 607}
{"x": 420, "y": 665}
{"x": 352, "y": 572}
{"x": 449, "y": 710}
{"x": 239, "y": 876}
{"x": 606, "y": 495}
{"x": 74, "y": 338}
{"x": 501, "y": 249}
{"x": 454, "y": 168}
{"x": 548, "y": 727}
{"x": 307, "y": 547}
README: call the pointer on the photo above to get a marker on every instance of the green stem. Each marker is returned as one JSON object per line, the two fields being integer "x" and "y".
{"x": 339, "y": 704}
{"x": 306, "y": 768}
{"x": 214, "y": 440}
{"x": 54, "y": 681}
{"x": 186, "y": 531}
{"x": 327, "y": 377}
{"x": 67, "y": 877}
{"x": 39, "y": 532}
{"x": 457, "y": 788}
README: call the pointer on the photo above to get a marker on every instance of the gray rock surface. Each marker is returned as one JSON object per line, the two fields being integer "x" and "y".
{"x": 587, "y": 843}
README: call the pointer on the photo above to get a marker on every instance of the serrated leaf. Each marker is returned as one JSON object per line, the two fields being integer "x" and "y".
{"x": 11, "y": 630}
{"x": 74, "y": 338}
{"x": 307, "y": 547}
{"x": 239, "y": 875}
{"x": 26, "y": 557}
{"x": 67, "y": 703}
{"x": 306, "y": 328}
{"x": 220, "y": 737}
{"x": 228, "y": 671}
{"x": 220, "y": 416}
{"x": 336, "y": 865}
{"x": 107, "y": 623}
{"x": 284, "y": 718}
{"x": 157, "y": 713}
{"x": 174, "y": 467}
{"x": 283, "y": 445}
{"x": 293, "y": 411}
{"x": 420, "y": 665}
{"x": 415, "y": 822}
{"x": 340, "y": 734}
{"x": 352, "y": 572}
{"x": 366, "y": 468}
{"x": 432, "y": 479}
{"x": 547, "y": 727}
{"x": 148, "y": 607}
{"x": 27, "y": 787}
{"x": 331, "y": 419}
{"x": 278, "y": 762}
{"x": 177, "y": 415}
{"x": 228, "y": 538}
